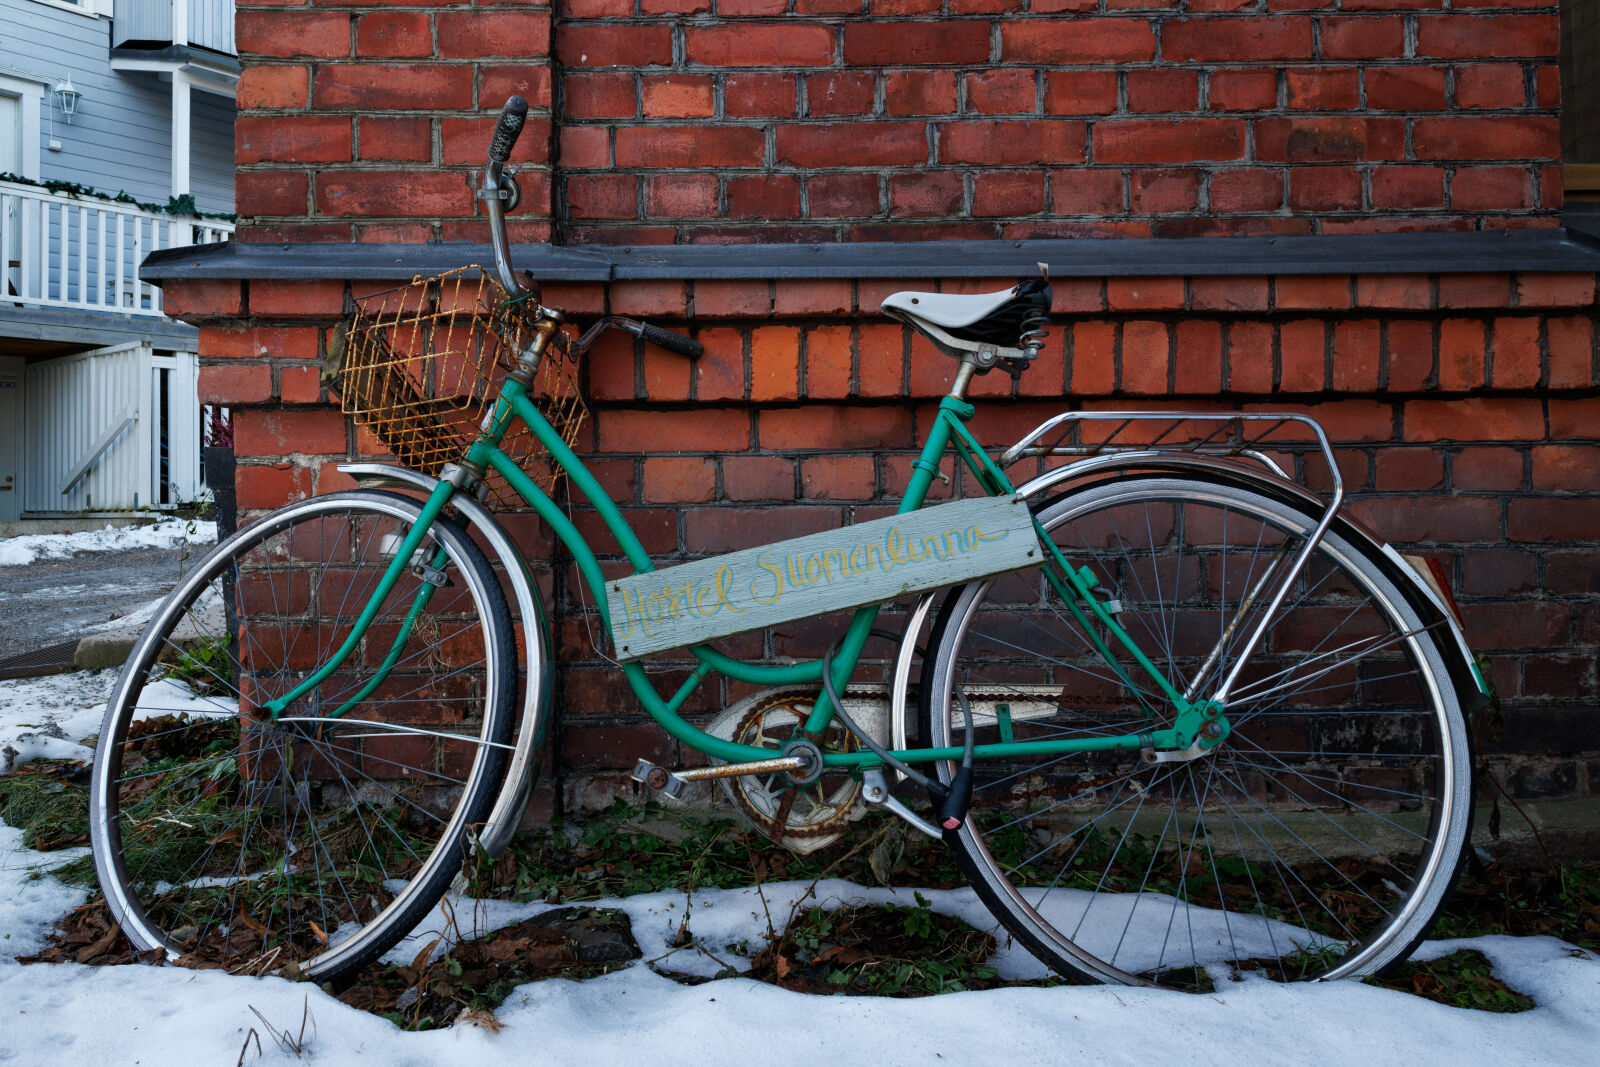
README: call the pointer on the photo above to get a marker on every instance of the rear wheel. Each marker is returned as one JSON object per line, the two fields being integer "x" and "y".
{"x": 1318, "y": 840}
{"x": 310, "y": 842}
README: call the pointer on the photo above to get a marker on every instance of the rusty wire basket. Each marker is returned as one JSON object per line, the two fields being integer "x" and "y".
{"x": 421, "y": 366}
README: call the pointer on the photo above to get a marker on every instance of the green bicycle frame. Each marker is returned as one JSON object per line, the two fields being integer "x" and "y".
{"x": 1075, "y": 587}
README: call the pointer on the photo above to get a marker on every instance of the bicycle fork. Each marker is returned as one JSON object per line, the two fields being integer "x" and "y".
{"x": 432, "y": 574}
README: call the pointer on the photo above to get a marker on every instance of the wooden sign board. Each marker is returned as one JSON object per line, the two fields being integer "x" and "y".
{"x": 835, "y": 570}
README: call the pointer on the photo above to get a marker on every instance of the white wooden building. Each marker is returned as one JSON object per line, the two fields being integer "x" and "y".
{"x": 98, "y": 409}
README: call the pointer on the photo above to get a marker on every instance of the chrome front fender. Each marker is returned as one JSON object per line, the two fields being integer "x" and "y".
{"x": 522, "y": 771}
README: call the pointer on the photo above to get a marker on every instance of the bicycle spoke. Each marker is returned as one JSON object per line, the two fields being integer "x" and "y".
{"x": 307, "y": 840}
{"x": 1301, "y": 818}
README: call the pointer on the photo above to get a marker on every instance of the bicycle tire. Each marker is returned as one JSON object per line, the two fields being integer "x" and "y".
{"x": 1319, "y": 840}
{"x": 308, "y": 845}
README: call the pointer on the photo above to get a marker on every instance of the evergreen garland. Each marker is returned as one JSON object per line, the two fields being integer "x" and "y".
{"x": 178, "y": 205}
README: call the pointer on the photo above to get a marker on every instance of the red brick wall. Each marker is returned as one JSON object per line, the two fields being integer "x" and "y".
{"x": 1463, "y": 407}
{"x": 366, "y": 121}
{"x": 824, "y": 120}
{"x": 1463, "y": 410}
{"x": 820, "y": 120}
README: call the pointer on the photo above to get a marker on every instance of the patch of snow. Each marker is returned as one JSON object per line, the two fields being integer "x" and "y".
{"x": 168, "y": 1014}
{"x": 30, "y": 900}
{"x": 133, "y": 623}
{"x": 46, "y": 718}
{"x": 69, "y": 1013}
{"x": 720, "y": 919}
{"x": 24, "y": 549}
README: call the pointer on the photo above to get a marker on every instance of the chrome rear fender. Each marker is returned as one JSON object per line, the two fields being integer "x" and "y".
{"x": 1254, "y": 475}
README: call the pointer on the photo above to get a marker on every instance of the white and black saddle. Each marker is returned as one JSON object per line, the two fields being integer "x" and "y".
{"x": 993, "y": 326}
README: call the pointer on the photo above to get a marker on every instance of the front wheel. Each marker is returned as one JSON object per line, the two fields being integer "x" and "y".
{"x": 1318, "y": 840}
{"x": 307, "y": 842}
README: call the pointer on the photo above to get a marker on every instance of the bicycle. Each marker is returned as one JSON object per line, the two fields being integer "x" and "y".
{"x": 1174, "y": 711}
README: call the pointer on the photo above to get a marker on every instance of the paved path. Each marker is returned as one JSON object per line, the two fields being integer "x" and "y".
{"x": 53, "y": 600}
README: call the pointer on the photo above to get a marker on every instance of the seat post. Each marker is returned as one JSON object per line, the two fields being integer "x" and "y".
{"x": 964, "y": 373}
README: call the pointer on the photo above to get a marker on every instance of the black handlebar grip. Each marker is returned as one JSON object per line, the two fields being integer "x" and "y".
{"x": 508, "y": 129}
{"x": 672, "y": 342}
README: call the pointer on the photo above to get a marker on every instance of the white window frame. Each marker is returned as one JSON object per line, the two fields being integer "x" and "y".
{"x": 88, "y": 9}
{"x": 30, "y": 90}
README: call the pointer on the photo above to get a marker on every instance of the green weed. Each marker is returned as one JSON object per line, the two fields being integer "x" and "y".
{"x": 1462, "y": 979}
{"x": 644, "y": 848}
{"x": 887, "y": 950}
{"x": 204, "y": 666}
{"x": 49, "y": 802}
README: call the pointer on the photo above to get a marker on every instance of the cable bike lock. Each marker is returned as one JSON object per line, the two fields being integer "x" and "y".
{"x": 955, "y": 798}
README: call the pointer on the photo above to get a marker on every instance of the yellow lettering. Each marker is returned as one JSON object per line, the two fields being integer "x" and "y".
{"x": 900, "y": 550}
{"x": 777, "y": 581}
{"x": 632, "y": 609}
{"x": 724, "y": 586}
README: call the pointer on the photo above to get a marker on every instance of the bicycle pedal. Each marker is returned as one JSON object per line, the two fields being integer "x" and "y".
{"x": 660, "y": 779}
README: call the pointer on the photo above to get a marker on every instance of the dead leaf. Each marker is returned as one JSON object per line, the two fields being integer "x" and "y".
{"x": 100, "y": 947}
{"x": 480, "y": 1017}
{"x": 421, "y": 959}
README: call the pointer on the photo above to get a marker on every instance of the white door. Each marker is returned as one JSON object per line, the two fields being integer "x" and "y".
{"x": 11, "y": 163}
{"x": 87, "y": 425}
{"x": 175, "y": 428}
{"x": 11, "y": 368}
{"x": 21, "y": 99}
{"x": 10, "y": 134}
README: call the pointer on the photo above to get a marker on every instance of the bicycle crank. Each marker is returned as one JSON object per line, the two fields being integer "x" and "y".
{"x": 671, "y": 784}
{"x": 803, "y": 810}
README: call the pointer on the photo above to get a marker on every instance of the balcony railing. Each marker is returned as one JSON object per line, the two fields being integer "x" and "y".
{"x": 207, "y": 23}
{"x": 83, "y": 254}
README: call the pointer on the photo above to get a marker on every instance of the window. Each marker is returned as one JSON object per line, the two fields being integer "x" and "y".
{"x": 85, "y": 6}
{"x": 88, "y": 8}
{"x": 1580, "y": 98}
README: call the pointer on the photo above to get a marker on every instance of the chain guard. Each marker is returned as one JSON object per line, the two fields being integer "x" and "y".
{"x": 801, "y": 818}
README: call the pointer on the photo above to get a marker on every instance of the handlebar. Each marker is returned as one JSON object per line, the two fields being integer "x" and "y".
{"x": 500, "y": 194}
{"x": 676, "y": 343}
{"x": 499, "y": 191}
{"x": 507, "y": 130}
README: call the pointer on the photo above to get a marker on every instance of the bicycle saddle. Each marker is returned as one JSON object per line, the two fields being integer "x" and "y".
{"x": 973, "y": 323}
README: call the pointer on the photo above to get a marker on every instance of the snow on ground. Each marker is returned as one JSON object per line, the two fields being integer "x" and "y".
{"x": 727, "y": 921}
{"x": 16, "y": 551}
{"x": 73, "y": 1014}
{"x": 45, "y": 718}
{"x": 30, "y": 903}
{"x": 68, "y": 1013}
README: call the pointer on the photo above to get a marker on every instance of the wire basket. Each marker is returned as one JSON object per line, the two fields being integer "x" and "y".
{"x": 421, "y": 370}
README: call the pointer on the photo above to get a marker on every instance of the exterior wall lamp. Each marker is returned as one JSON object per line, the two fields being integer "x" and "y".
{"x": 67, "y": 97}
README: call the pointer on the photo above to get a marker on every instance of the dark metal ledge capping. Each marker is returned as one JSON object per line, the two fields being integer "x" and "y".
{"x": 1570, "y": 249}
